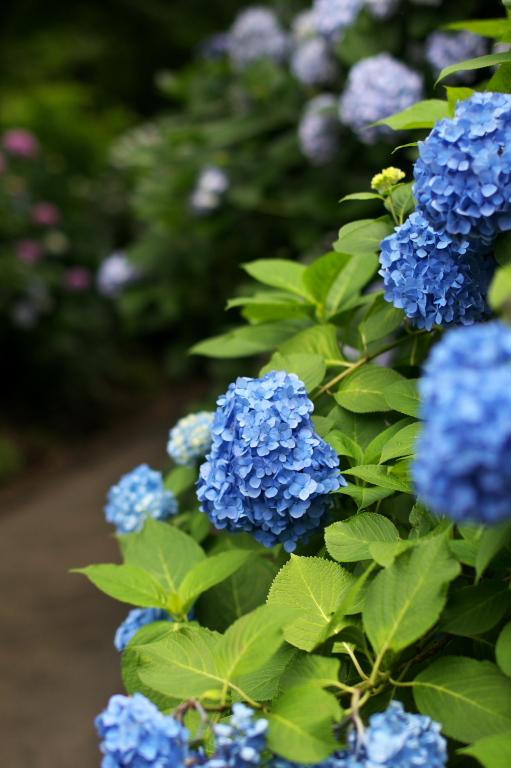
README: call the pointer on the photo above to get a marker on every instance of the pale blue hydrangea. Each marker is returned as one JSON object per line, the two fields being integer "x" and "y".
{"x": 378, "y": 87}
{"x": 115, "y": 273}
{"x": 268, "y": 472}
{"x": 382, "y": 9}
{"x": 211, "y": 185}
{"x": 303, "y": 27}
{"x": 435, "y": 280}
{"x": 190, "y": 439}
{"x": 240, "y": 744}
{"x": 256, "y": 34}
{"x": 319, "y": 129}
{"x": 312, "y": 62}
{"x": 332, "y": 17}
{"x": 463, "y": 463}
{"x": 444, "y": 49}
{"x": 463, "y": 174}
{"x": 135, "y": 734}
{"x": 136, "y": 619}
{"x": 138, "y": 494}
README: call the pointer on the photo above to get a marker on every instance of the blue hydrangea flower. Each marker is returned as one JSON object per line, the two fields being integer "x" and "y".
{"x": 312, "y": 62}
{"x": 434, "y": 279}
{"x": 268, "y": 472}
{"x": 115, "y": 273}
{"x": 136, "y": 619}
{"x": 463, "y": 463}
{"x": 319, "y": 128}
{"x": 137, "y": 494}
{"x": 444, "y": 49}
{"x": 332, "y": 17}
{"x": 239, "y": 745}
{"x": 190, "y": 439}
{"x": 463, "y": 174}
{"x": 256, "y": 34}
{"x": 382, "y": 9}
{"x": 211, "y": 184}
{"x": 377, "y": 87}
{"x": 137, "y": 735}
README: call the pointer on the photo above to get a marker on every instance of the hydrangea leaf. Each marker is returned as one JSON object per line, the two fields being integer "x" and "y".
{"x": 454, "y": 95}
{"x": 364, "y": 390}
{"x": 311, "y": 669}
{"x": 361, "y": 196}
{"x": 301, "y": 724}
{"x": 500, "y": 291}
{"x": 486, "y": 27}
{"x": 502, "y": 253}
{"x": 473, "y": 610}
{"x": 424, "y": 114}
{"x": 318, "y": 340}
{"x": 363, "y": 237}
{"x": 316, "y": 587}
{"x": 364, "y": 496}
{"x": 279, "y": 273}
{"x": 361, "y": 427}
{"x": 264, "y": 683}
{"x": 492, "y": 541}
{"x": 310, "y": 369}
{"x": 503, "y": 650}
{"x": 492, "y": 752}
{"x": 344, "y": 445}
{"x": 403, "y": 396}
{"x": 374, "y": 450}
{"x": 472, "y": 699}
{"x": 210, "y": 572}
{"x": 406, "y": 599}
{"x": 491, "y": 60}
{"x": 382, "y": 319}
{"x": 382, "y": 476}
{"x": 249, "y": 340}
{"x": 501, "y": 80}
{"x": 402, "y": 443}
{"x": 131, "y": 663}
{"x": 345, "y": 290}
{"x": 180, "y": 479}
{"x": 348, "y": 541}
{"x": 401, "y": 202}
{"x": 128, "y": 584}
{"x": 321, "y": 274}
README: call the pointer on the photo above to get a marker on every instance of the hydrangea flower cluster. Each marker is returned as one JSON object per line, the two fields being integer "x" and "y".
{"x": 436, "y": 280}
{"x": 334, "y": 16}
{"x": 377, "y": 87}
{"x": 19, "y": 142}
{"x": 443, "y": 50}
{"x": 463, "y": 174}
{"x": 136, "y": 619}
{"x": 268, "y": 472}
{"x": 385, "y": 180}
{"x": 312, "y": 62}
{"x": 256, "y": 34}
{"x": 239, "y": 745}
{"x": 191, "y": 438}
{"x": 137, "y": 494}
{"x": 463, "y": 464}
{"x": 137, "y": 735}
{"x": 303, "y": 27}
{"x": 318, "y": 130}
{"x": 212, "y": 183}
{"x": 115, "y": 273}
{"x": 381, "y": 9}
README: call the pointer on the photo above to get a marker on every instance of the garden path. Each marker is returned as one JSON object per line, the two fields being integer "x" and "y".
{"x": 58, "y": 666}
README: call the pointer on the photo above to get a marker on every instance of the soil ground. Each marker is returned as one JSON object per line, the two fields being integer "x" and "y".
{"x": 58, "y": 665}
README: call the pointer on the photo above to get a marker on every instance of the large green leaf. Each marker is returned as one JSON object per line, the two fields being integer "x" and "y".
{"x": 474, "y": 610}
{"x": 403, "y": 443}
{"x": 363, "y": 236}
{"x": 317, "y": 340}
{"x": 403, "y": 396}
{"x": 382, "y": 476}
{"x": 279, "y": 273}
{"x": 344, "y": 445}
{"x": 210, "y": 572}
{"x": 348, "y": 541}
{"x": 406, "y": 599}
{"x": 374, "y": 450}
{"x": 503, "y": 650}
{"x": 131, "y": 662}
{"x": 365, "y": 495}
{"x": 382, "y": 319}
{"x": 311, "y": 669}
{"x": 128, "y": 584}
{"x": 492, "y": 752}
{"x": 363, "y": 428}
{"x": 180, "y": 479}
{"x": 316, "y": 587}
{"x": 472, "y": 699}
{"x": 321, "y": 274}
{"x": 492, "y": 541}
{"x": 421, "y": 115}
{"x": 249, "y": 340}
{"x": 345, "y": 289}
{"x": 485, "y": 27}
{"x": 364, "y": 390}
{"x": 264, "y": 683}
{"x": 310, "y": 369}
{"x": 491, "y": 60}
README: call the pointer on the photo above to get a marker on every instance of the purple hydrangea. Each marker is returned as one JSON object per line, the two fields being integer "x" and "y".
{"x": 312, "y": 62}
{"x": 463, "y": 174}
{"x": 240, "y": 744}
{"x": 138, "y": 494}
{"x": 255, "y": 35}
{"x": 463, "y": 463}
{"x": 136, "y": 619}
{"x": 436, "y": 280}
{"x": 319, "y": 128}
{"x": 381, "y": 9}
{"x": 268, "y": 472}
{"x": 444, "y": 49}
{"x": 135, "y": 734}
{"x": 377, "y": 87}
{"x": 190, "y": 439}
{"x": 332, "y": 17}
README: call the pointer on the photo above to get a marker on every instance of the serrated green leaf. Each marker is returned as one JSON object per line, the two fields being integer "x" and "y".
{"x": 455, "y": 95}
{"x": 127, "y": 584}
{"x": 344, "y": 445}
{"x": 363, "y": 236}
{"x": 180, "y": 479}
{"x": 382, "y": 319}
{"x": 402, "y": 202}
{"x": 361, "y": 196}
{"x": 471, "y": 611}
{"x": 503, "y": 650}
{"x": 208, "y": 573}
{"x": 406, "y": 599}
{"x": 316, "y": 587}
{"x": 373, "y": 451}
{"x": 279, "y": 273}
{"x": 310, "y": 369}
{"x": 249, "y": 340}
{"x": 403, "y": 443}
{"x": 345, "y": 289}
{"x": 320, "y": 275}
{"x": 501, "y": 79}
{"x": 348, "y": 541}
{"x": 131, "y": 662}
{"x": 301, "y": 724}
{"x": 364, "y": 496}
{"x": 385, "y": 552}
{"x": 403, "y": 396}
{"x": 490, "y": 544}
{"x": 472, "y": 699}
{"x": 363, "y": 428}
{"x": 264, "y": 683}
{"x": 424, "y": 114}
{"x": 464, "y": 551}
{"x": 491, "y": 60}
{"x": 311, "y": 669}
{"x": 492, "y": 752}
{"x": 364, "y": 390}
{"x": 318, "y": 340}
{"x": 382, "y": 476}
{"x": 485, "y": 27}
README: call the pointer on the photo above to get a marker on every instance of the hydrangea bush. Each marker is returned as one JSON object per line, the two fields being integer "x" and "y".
{"x": 345, "y": 543}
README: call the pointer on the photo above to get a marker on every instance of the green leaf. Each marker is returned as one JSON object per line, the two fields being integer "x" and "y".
{"x": 264, "y": 683}
{"x": 315, "y": 586}
{"x": 382, "y": 319}
{"x": 385, "y": 552}
{"x": 491, "y": 60}
{"x": 474, "y": 610}
{"x": 318, "y": 278}
{"x": 485, "y": 27}
{"x": 363, "y": 236}
{"x": 182, "y": 664}
{"x": 310, "y": 369}
{"x": 361, "y": 196}
{"x": 492, "y": 541}
{"x": 472, "y": 699}
{"x": 301, "y": 724}
{"x": 349, "y": 540}
{"x": 363, "y": 428}
{"x": 503, "y": 650}
{"x": 279, "y": 273}
{"x": 406, "y": 599}
{"x": 381, "y": 476}
{"x": 455, "y": 95}
{"x": 317, "y": 340}
{"x": 502, "y": 253}
{"x": 167, "y": 553}
{"x": 500, "y": 290}
{"x": 403, "y": 396}
{"x": 210, "y": 572}
{"x": 180, "y": 479}
{"x": 403, "y": 202}
{"x": 374, "y": 449}
{"x": 311, "y": 669}
{"x": 403, "y": 443}
{"x": 421, "y": 115}
{"x": 492, "y": 752}
{"x": 344, "y": 445}
{"x": 501, "y": 80}
{"x": 249, "y": 340}
{"x": 128, "y": 584}
{"x": 364, "y": 390}
{"x": 344, "y": 293}
{"x": 364, "y": 496}
{"x": 131, "y": 663}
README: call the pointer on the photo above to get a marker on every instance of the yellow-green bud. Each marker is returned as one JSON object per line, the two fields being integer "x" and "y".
{"x": 387, "y": 179}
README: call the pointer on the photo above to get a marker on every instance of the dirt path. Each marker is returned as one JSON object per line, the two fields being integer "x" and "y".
{"x": 58, "y": 666}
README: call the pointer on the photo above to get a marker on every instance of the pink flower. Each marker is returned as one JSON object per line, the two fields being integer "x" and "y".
{"x": 78, "y": 279}
{"x": 46, "y": 214}
{"x": 29, "y": 251}
{"x": 20, "y": 143}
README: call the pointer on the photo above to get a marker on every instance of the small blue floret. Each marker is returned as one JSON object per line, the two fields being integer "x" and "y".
{"x": 240, "y": 744}
{"x": 190, "y": 439}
